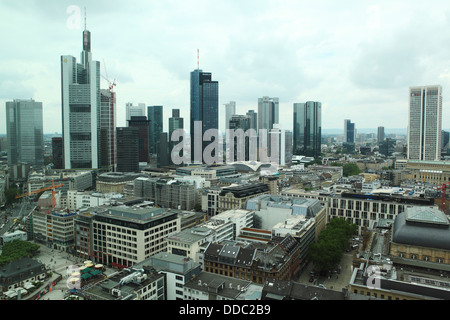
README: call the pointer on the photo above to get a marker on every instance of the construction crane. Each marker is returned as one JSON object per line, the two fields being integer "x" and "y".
{"x": 53, "y": 187}
{"x": 443, "y": 189}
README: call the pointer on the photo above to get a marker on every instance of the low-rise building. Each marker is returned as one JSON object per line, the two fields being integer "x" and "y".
{"x": 178, "y": 271}
{"x": 210, "y": 286}
{"x": 19, "y": 273}
{"x": 236, "y": 197}
{"x": 278, "y": 259}
{"x": 129, "y": 284}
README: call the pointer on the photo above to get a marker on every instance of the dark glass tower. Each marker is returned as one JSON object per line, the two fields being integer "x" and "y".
{"x": 204, "y": 104}
{"x": 143, "y": 125}
{"x": 155, "y": 127}
{"x": 127, "y": 149}
{"x": 307, "y": 128}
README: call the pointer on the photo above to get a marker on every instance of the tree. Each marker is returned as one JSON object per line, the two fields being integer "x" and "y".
{"x": 326, "y": 253}
{"x": 11, "y": 194}
{"x": 17, "y": 249}
{"x": 350, "y": 169}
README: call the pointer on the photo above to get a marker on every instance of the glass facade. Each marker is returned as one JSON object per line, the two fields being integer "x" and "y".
{"x": 425, "y": 123}
{"x": 25, "y": 136}
{"x": 307, "y": 126}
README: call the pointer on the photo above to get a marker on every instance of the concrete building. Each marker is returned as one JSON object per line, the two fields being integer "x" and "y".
{"x": 114, "y": 182}
{"x": 129, "y": 284}
{"x": 364, "y": 210}
{"x": 125, "y": 236}
{"x": 278, "y": 259}
{"x": 235, "y": 197}
{"x": 167, "y": 193}
{"x": 270, "y": 210}
{"x": 209, "y": 286}
{"x": 87, "y": 199}
{"x": 53, "y": 228}
{"x": 178, "y": 271}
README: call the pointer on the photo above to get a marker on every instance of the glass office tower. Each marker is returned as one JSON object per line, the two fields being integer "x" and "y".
{"x": 425, "y": 123}
{"x": 204, "y": 106}
{"x": 80, "y": 96}
{"x": 24, "y": 128}
{"x": 307, "y": 127}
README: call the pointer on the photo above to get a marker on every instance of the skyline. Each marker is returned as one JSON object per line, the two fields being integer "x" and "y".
{"x": 356, "y": 58}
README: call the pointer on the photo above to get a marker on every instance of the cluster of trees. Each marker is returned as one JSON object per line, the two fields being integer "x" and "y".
{"x": 348, "y": 169}
{"x": 17, "y": 249}
{"x": 327, "y": 252}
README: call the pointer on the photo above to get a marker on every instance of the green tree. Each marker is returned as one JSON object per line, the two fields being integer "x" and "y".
{"x": 11, "y": 194}
{"x": 350, "y": 169}
{"x": 326, "y": 253}
{"x": 17, "y": 249}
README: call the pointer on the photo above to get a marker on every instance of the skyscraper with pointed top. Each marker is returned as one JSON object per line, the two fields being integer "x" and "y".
{"x": 80, "y": 101}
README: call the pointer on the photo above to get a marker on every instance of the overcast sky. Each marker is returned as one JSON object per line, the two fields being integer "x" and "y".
{"x": 358, "y": 58}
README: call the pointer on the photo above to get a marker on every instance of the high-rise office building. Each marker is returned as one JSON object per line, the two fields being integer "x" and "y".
{"x": 143, "y": 125}
{"x": 307, "y": 135}
{"x": 380, "y": 134}
{"x": 134, "y": 111}
{"x": 57, "y": 152}
{"x": 175, "y": 122}
{"x": 230, "y": 110}
{"x": 24, "y": 128}
{"x": 236, "y": 122}
{"x": 204, "y": 107}
{"x": 108, "y": 116}
{"x": 268, "y": 111}
{"x": 425, "y": 123}
{"x": 127, "y": 149}
{"x": 80, "y": 96}
{"x": 155, "y": 127}
{"x": 349, "y": 131}
{"x": 253, "y": 119}
{"x": 163, "y": 158}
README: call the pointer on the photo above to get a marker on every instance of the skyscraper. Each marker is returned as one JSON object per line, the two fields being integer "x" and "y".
{"x": 57, "y": 152}
{"x": 236, "y": 122}
{"x": 80, "y": 96}
{"x": 349, "y": 131}
{"x": 143, "y": 126}
{"x": 175, "y": 122}
{"x": 307, "y": 135}
{"x": 425, "y": 123}
{"x": 268, "y": 110}
{"x": 155, "y": 118}
{"x": 134, "y": 111}
{"x": 204, "y": 106}
{"x": 253, "y": 119}
{"x": 24, "y": 128}
{"x": 380, "y": 134}
{"x": 108, "y": 116}
{"x": 127, "y": 149}
{"x": 230, "y": 110}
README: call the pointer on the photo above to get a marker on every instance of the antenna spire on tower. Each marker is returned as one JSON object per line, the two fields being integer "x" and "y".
{"x": 198, "y": 59}
{"x": 85, "y": 19}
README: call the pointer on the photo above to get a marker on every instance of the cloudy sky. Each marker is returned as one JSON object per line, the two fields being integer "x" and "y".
{"x": 358, "y": 58}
